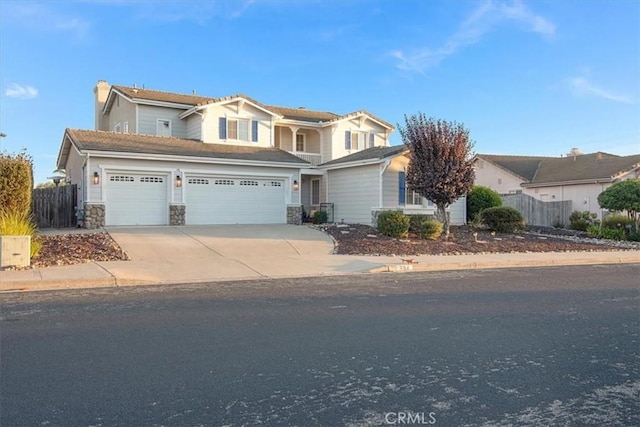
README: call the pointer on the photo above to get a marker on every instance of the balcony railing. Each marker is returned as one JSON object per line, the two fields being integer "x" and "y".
{"x": 314, "y": 158}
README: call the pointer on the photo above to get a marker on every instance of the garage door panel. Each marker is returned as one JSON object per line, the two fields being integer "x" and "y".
{"x": 136, "y": 199}
{"x": 229, "y": 200}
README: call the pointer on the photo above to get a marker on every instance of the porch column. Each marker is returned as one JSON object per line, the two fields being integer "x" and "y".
{"x": 321, "y": 144}
{"x": 294, "y": 132}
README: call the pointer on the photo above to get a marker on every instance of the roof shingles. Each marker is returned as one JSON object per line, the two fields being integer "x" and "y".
{"x": 300, "y": 114}
{"x": 547, "y": 170}
{"x": 86, "y": 140}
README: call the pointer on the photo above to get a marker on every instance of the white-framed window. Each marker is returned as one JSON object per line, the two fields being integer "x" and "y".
{"x": 300, "y": 142}
{"x": 412, "y": 198}
{"x": 358, "y": 140}
{"x": 125, "y": 127}
{"x": 117, "y": 128}
{"x": 163, "y": 127}
{"x": 238, "y": 129}
{"x": 315, "y": 191}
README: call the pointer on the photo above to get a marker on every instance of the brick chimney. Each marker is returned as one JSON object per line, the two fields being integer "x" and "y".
{"x": 101, "y": 92}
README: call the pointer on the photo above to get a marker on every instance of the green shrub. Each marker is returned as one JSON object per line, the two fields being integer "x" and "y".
{"x": 479, "y": 199}
{"x": 16, "y": 182}
{"x": 582, "y": 220}
{"x": 558, "y": 224}
{"x": 319, "y": 217}
{"x": 431, "y": 229}
{"x": 503, "y": 219}
{"x": 614, "y": 222}
{"x": 13, "y": 223}
{"x": 634, "y": 235}
{"x": 415, "y": 222}
{"x": 393, "y": 224}
{"x": 606, "y": 233}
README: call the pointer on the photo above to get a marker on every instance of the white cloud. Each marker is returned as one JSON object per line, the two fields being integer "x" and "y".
{"x": 487, "y": 16}
{"x": 583, "y": 87}
{"x": 40, "y": 17}
{"x": 21, "y": 92}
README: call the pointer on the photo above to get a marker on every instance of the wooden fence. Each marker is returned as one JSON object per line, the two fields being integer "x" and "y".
{"x": 537, "y": 212}
{"x": 55, "y": 207}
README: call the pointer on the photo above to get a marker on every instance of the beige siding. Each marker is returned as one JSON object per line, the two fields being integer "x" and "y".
{"x": 496, "y": 178}
{"x": 148, "y": 120}
{"x": 338, "y": 136}
{"x": 326, "y": 149}
{"x": 210, "y": 125}
{"x": 583, "y": 197}
{"x": 121, "y": 111}
{"x": 354, "y": 193}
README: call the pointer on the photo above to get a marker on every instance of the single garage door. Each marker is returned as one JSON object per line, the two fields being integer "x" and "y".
{"x": 136, "y": 199}
{"x": 229, "y": 200}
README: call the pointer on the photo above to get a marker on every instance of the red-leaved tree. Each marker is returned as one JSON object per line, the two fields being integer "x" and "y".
{"x": 441, "y": 165}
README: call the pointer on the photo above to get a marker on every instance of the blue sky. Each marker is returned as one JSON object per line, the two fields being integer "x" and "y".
{"x": 525, "y": 77}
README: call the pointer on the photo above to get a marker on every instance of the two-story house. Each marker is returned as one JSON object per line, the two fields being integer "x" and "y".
{"x": 160, "y": 158}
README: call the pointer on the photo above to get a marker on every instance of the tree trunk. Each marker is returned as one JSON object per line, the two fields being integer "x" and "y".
{"x": 441, "y": 215}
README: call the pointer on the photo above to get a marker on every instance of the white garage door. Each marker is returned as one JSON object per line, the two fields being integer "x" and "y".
{"x": 134, "y": 199}
{"x": 228, "y": 200}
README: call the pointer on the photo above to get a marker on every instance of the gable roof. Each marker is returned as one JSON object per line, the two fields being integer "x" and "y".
{"x": 124, "y": 143}
{"x": 302, "y": 114}
{"x": 537, "y": 171}
{"x": 190, "y": 101}
{"x": 524, "y": 167}
{"x": 370, "y": 155}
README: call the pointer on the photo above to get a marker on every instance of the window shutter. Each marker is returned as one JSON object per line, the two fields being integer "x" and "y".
{"x": 222, "y": 127}
{"x": 254, "y": 130}
{"x": 401, "y": 188}
{"x": 372, "y": 140}
{"x": 347, "y": 140}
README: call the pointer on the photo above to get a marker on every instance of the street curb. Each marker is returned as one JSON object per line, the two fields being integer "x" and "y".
{"x": 397, "y": 268}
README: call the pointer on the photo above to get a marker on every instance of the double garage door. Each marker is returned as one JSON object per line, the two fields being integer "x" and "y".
{"x": 229, "y": 200}
{"x": 143, "y": 199}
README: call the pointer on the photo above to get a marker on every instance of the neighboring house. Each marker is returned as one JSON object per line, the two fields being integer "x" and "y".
{"x": 158, "y": 158}
{"x": 578, "y": 178}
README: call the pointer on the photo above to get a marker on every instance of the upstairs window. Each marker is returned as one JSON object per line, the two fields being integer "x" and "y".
{"x": 117, "y": 128}
{"x": 355, "y": 141}
{"x": 163, "y": 127}
{"x": 238, "y": 129}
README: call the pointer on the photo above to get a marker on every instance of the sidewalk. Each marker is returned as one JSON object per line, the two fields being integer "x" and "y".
{"x": 127, "y": 273}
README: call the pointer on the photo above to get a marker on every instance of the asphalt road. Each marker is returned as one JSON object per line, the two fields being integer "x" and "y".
{"x": 522, "y": 347}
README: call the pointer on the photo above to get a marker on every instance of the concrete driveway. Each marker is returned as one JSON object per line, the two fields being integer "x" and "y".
{"x": 200, "y": 253}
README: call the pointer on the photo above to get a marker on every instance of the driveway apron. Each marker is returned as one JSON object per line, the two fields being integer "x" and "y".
{"x": 200, "y": 253}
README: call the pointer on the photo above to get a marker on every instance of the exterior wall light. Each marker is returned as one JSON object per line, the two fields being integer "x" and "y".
{"x": 96, "y": 178}
{"x": 178, "y": 181}
{"x": 296, "y": 186}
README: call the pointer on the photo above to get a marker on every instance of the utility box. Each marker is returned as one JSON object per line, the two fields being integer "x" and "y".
{"x": 15, "y": 251}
